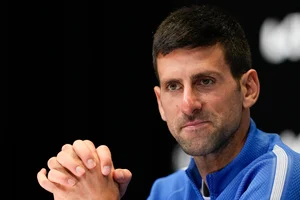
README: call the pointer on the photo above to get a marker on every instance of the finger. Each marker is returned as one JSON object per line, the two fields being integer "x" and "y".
{"x": 90, "y": 144}
{"x": 61, "y": 178}
{"x": 123, "y": 178}
{"x": 44, "y": 182}
{"x": 60, "y": 174}
{"x": 84, "y": 153}
{"x": 92, "y": 148}
{"x": 66, "y": 147}
{"x": 104, "y": 155}
{"x": 70, "y": 162}
{"x": 53, "y": 163}
{"x": 122, "y": 175}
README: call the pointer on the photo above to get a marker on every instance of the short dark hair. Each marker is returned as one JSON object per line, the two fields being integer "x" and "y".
{"x": 203, "y": 25}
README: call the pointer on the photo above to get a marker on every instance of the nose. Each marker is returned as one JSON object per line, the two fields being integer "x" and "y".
{"x": 190, "y": 102}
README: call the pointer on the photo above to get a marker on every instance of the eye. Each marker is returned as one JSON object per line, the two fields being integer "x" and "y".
{"x": 206, "y": 82}
{"x": 173, "y": 86}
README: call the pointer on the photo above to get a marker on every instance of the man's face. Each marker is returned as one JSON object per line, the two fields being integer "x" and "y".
{"x": 198, "y": 98}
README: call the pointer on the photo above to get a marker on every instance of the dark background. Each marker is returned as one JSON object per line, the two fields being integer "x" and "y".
{"x": 85, "y": 72}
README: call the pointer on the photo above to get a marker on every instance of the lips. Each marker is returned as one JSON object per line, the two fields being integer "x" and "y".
{"x": 194, "y": 123}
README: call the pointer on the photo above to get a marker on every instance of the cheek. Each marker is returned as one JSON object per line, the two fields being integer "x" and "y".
{"x": 223, "y": 101}
{"x": 171, "y": 108}
{"x": 229, "y": 103}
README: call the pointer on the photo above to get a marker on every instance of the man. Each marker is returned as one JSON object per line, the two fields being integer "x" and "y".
{"x": 206, "y": 88}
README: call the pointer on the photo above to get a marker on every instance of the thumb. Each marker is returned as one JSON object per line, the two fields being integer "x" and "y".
{"x": 123, "y": 178}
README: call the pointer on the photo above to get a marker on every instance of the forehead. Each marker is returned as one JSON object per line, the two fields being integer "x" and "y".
{"x": 182, "y": 63}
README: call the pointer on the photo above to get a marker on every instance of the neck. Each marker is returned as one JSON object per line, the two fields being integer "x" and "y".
{"x": 215, "y": 161}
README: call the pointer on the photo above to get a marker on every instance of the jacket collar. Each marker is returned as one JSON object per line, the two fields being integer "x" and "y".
{"x": 256, "y": 144}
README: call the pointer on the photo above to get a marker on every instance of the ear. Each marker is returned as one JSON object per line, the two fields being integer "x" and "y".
{"x": 160, "y": 108}
{"x": 250, "y": 88}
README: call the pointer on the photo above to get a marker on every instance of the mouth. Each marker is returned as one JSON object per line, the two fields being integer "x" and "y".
{"x": 194, "y": 124}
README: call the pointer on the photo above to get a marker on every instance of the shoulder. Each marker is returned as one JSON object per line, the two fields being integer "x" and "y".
{"x": 172, "y": 181}
{"x": 287, "y": 174}
{"x": 274, "y": 175}
{"x": 166, "y": 186}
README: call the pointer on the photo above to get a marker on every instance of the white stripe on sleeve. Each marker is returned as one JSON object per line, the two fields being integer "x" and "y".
{"x": 280, "y": 174}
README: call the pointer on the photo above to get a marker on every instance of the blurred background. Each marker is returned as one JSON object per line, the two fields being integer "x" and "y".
{"x": 86, "y": 73}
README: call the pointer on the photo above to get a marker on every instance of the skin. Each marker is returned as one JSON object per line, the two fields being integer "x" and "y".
{"x": 80, "y": 171}
{"x": 207, "y": 111}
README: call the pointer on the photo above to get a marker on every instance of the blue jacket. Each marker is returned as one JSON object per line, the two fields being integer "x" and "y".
{"x": 265, "y": 169}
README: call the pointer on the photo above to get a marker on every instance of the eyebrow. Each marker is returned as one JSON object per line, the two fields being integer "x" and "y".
{"x": 193, "y": 77}
{"x": 203, "y": 74}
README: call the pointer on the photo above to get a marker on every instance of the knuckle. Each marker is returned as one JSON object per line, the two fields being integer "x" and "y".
{"x": 51, "y": 175}
{"x": 66, "y": 146}
{"x": 52, "y": 162}
{"x": 77, "y": 142}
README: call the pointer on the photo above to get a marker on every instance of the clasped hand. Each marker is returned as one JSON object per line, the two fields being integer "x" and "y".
{"x": 83, "y": 172}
